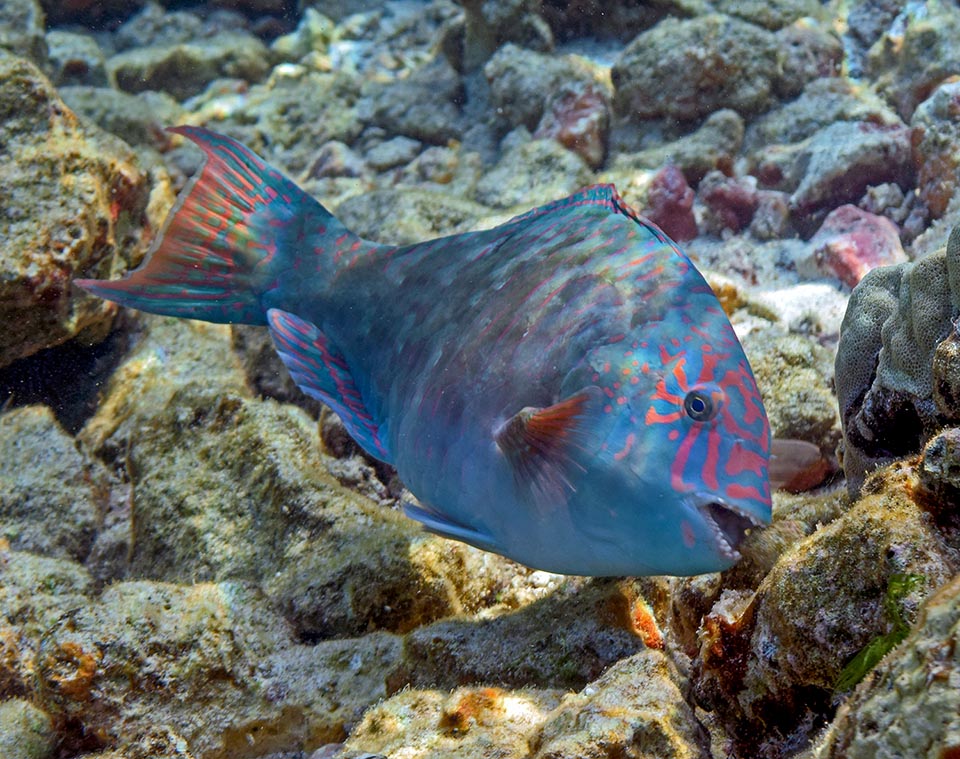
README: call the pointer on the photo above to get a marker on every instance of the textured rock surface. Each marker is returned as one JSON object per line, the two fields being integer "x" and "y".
{"x": 937, "y": 125}
{"x": 851, "y": 242}
{"x": 52, "y": 495}
{"x": 26, "y": 732}
{"x": 75, "y": 202}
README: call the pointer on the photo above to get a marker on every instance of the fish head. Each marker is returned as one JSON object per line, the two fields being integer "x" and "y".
{"x": 682, "y": 477}
{"x": 706, "y": 444}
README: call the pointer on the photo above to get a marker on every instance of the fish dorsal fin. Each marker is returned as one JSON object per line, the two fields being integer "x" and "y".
{"x": 321, "y": 371}
{"x": 548, "y": 447}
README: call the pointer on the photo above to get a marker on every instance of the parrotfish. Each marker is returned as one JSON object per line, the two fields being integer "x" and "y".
{"x": 563, "y": 389}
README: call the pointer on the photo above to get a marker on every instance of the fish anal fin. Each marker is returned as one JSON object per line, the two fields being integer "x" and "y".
{"x": 547, "y": 447}
{"x": 322, "y": 372}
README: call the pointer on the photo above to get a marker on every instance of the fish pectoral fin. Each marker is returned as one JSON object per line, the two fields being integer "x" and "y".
{"x": 321, "y": 371}
{"x": 548, "y": 447}
{"x": 447, "y": 528}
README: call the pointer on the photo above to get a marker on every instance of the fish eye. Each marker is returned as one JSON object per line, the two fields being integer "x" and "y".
{"x": 699, "y": 406}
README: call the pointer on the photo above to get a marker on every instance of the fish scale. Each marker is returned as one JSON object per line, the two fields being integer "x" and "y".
{"x": 563, "y": 389}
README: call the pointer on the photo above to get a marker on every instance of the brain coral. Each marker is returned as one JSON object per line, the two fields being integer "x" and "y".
{"x": 889, "y": 360}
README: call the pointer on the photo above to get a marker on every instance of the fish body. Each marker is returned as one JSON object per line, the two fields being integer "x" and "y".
{"x": 563, "y": 389}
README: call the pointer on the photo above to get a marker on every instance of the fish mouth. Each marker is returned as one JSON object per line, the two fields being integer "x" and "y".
{"x": 729, "y": 524}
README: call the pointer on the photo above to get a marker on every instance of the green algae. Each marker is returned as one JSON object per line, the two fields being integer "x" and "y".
{"x": 898, "y": 587}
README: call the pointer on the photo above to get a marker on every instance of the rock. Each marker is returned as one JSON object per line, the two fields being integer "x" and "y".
{"x": 634, "y": 709}
{"x": 936, "y": 137}
{"x": 469, "y": 723}
{"x": 52, "y": 494}
{"x": 75, "y": 59}
{"x": 851, "y": 242}
{"x": 75, "y": 202}
{"x": 185, "y": 69}
{"x": 916, "y": 56}
{"x": 157, "y": 26}
{"x": 136, "y": 119}
{"x": 26, "y": 732}
{"x": 908, "y": 705}
{"x": 395, "y": 152}
{"x": 532, "y": 173}
{"x": 768, "y": 661}
{"x": 291, "y": 115}
{"x": 335, "y": 159}
{"x": 89, "y": 11}
{"x": 578, "y": 117}
{"x": 730, "y": 202}
{"x": 843, "y": 159}
{"x": 524, "y": 83}
{"x": 771, "y": 219}
{"x": 22, "y": 30}
{"x": 811, "y": 52}
{"x": 314, "y": 33}
{"x": 209, "y": 662}
{"x": 424, "y": 105}
{"x": 796, "y": 376}
{"x": 727, "y": 63}
{"x": 401, "y": 217}
{"x": 939, "y": 474}
{"x": 769, "y": 15}
{"x": 713, "y": 146}
{"x": 896, "y": 318}
{"x": 669, "y": 204}
{"x": 822, "y": 103}
{"x": 608, "y": 21}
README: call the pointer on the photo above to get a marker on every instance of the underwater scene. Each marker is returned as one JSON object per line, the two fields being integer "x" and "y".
{"x": 484, "y": 379}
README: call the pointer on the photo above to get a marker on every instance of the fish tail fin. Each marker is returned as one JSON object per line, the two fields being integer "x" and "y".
{"x": 237, "y": 228}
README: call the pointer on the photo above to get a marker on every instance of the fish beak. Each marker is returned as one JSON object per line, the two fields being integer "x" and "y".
{"x": 730, "y": 525}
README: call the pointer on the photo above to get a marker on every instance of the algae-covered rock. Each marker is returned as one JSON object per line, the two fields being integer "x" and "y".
{"x": 52, "y": 495}
{"x": 405, "y": 216}
{"x": 910, "y": 704}
{"x": 26, "y": 732}
{"x": 635, "y": 709}
{"x": 713, "y": 146}
{"x": 185, "y": 69}
{"x": 563, "y": 640}
{"x": 34, "y": 593}
{"x": 211, "y": 662}
{"x": 914, "y": 57}
{"x": 21, "y": 29}
{"x": 75, "y": 59}
{"x": 522, "y": 82}
{"x": 770, "y": 661}
{"x": 532, "y": 173}
{"x": 469, "y": 723}
{"x": 75, "y": 201}
{"x": 726, "y": 63}
{"x": 937, "y": 147}
{"x": 424, "y": 105}
{"x": 796, "y": 374}
{"x": 136, "y": 119}
{"x": 895, "y": 320}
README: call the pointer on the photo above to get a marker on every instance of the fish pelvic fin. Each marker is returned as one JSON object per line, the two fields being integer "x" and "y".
{"x": 237, "y": 231}
{"x": 548, "y": 447}
{"x": 321, "y": 370}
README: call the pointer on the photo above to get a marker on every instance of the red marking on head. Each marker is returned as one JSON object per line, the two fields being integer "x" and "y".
{"x": 607, "y": 409}
{"x": 626, "y": 371}
{"x": 655, "y": 417}
{"x": 634, "y": 380}
{"x": 735, "y": 490}
{"x": 689, "y": 536}
{"x": 621, "y": 400}
{"x": 673, "y": 434}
